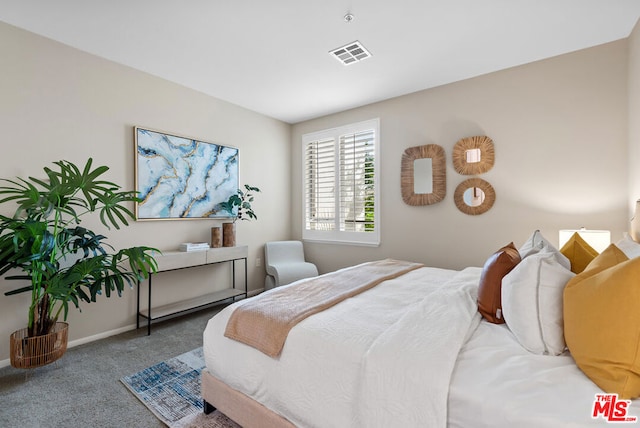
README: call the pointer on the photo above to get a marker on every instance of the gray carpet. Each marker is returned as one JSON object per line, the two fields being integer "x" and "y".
{"x": 83, "y": 388}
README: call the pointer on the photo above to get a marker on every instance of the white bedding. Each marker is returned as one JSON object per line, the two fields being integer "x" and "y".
{"x": 497, "y": 383}
{"x": 385, "y": 358}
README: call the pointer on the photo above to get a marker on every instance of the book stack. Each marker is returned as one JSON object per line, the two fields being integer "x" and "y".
{"x": 194, "y": 246}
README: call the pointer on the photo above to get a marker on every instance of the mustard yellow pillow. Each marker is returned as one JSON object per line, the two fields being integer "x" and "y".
{"x": 602, "y": 322}
{"x": 608, "y": 258}
{"x": 578, "y": 252}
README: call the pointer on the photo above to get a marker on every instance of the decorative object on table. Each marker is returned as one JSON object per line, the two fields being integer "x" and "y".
{"x": 473, "y": 155}
{"x": 228, "y": 234}
{"x": 474, "y": 196}
{"x": 193, "y": 246}
{"x": 239, "y": 204}
{"x": 423, "y": 178}
{"x": 216, "y": 237}
{"x": 45, "y": 232}
{"x": 635, "y": 223}
{"x": 183, "y": 178}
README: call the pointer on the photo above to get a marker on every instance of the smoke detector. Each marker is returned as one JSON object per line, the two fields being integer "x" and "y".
{"x": 350, "y": 53}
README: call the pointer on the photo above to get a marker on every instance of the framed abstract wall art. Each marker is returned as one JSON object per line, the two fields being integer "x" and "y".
{"x": 182, "y": 178}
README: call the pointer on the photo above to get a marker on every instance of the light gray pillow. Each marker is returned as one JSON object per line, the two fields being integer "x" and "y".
{"x": 532, "y": 302}
{"x": 538, "y": 244}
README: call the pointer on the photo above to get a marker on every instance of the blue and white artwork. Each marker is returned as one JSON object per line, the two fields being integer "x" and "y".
{"x": 179, "y": 177}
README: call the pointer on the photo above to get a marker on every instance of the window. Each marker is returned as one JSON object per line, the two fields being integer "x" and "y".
{"x": 341, "y": 190}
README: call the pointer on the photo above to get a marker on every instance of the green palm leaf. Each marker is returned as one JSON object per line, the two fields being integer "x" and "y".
{"x": 44, "y": 234}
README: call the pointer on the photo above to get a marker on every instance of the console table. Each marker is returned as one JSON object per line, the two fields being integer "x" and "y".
{"x": 175, "y": 260}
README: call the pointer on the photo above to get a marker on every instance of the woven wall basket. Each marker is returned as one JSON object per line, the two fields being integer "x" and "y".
{"x": 30, "y": 352}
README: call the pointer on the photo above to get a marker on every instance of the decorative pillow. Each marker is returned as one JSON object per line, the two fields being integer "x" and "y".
{"x": 532, "y": 303}
{"x": 489, "y": 292}
{"x": 602, "y": 322}
{"x": 628, "y": 246}
{"x": 579, "y": 252}
{"x": 538, "y": 244}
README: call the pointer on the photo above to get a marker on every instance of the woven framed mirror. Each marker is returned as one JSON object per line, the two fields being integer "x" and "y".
{"x": 473, "y": 155}
{"x": 474, "y": 196}
{"x": 423, "y": 177}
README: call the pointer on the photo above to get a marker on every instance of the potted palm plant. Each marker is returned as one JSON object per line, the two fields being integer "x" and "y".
{"x": 239, "y": 204}
{"x": 63, "y": 261}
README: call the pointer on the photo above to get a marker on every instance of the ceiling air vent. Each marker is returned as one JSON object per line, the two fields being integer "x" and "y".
{"x": 350, "y": 53}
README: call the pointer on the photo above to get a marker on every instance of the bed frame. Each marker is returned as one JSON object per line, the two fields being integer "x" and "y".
{"x": 237, "y": 406}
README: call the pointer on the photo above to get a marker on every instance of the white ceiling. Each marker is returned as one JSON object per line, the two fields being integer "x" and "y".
{"x": 271, "y": 56}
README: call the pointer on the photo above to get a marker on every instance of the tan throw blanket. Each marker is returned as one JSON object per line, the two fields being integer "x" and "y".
{"x": 265, "y": 320}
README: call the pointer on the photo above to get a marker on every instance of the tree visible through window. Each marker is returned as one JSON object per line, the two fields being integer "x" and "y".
{"x": 340, "y": 184}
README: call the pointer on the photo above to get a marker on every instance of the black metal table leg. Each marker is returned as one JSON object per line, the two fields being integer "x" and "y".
{"x": 233, "y": 277}
{"x": 138, "y": 308}
{"x": 149, "y": 309}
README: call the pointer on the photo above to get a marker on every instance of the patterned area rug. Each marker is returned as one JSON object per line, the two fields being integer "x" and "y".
{"x": 171, "y": 390}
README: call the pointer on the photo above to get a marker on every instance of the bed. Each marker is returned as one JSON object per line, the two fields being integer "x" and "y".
{"x": 411, "y": 351}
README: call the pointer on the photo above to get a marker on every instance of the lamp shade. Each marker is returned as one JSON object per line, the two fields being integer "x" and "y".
{"x": 598, "y": 239}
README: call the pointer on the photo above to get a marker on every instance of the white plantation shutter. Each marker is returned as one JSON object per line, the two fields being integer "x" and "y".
{"x": 320, "y": 167}
{"x": 356, "y": 181}
{"x": 341, "y": 185}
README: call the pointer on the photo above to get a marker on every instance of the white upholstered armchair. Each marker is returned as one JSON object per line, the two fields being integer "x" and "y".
{"x": 284, "y": 262}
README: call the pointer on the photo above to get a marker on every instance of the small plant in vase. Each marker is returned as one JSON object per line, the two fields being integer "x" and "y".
{"x": 240, "y": 205}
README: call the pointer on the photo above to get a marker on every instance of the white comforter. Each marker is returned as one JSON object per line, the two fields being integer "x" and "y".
{"x": 382, "y": 358}
{"x": 498, "y": 384}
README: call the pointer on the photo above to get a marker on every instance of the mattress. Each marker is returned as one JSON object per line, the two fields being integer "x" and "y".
{"x": 318, "y": 380}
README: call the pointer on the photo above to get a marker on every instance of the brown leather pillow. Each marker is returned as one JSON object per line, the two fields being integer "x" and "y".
{"x": 490, "y": 289}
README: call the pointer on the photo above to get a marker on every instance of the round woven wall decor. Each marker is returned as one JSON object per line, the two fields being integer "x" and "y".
{"x": 473, "y": 184}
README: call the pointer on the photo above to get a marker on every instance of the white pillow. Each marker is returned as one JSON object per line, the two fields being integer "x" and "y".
{"x": 538, "y": 244}
{"x": 629, "y": 247}
{"x": 532, "y": 302}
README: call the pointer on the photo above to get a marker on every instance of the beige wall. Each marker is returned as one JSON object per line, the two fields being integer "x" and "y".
{"x": 634, "y": 117}
{"x": 560, "y": 132}
{"x": 60, "y": 103}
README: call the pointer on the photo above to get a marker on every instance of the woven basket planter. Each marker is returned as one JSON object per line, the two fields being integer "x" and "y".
{"x": 30, "y": 352}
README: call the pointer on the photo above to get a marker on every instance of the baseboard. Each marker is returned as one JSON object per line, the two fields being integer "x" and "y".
{"x": 83, "y": 340}
{"x": 99, "y": 336}
{"x": 103, "y": 335}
